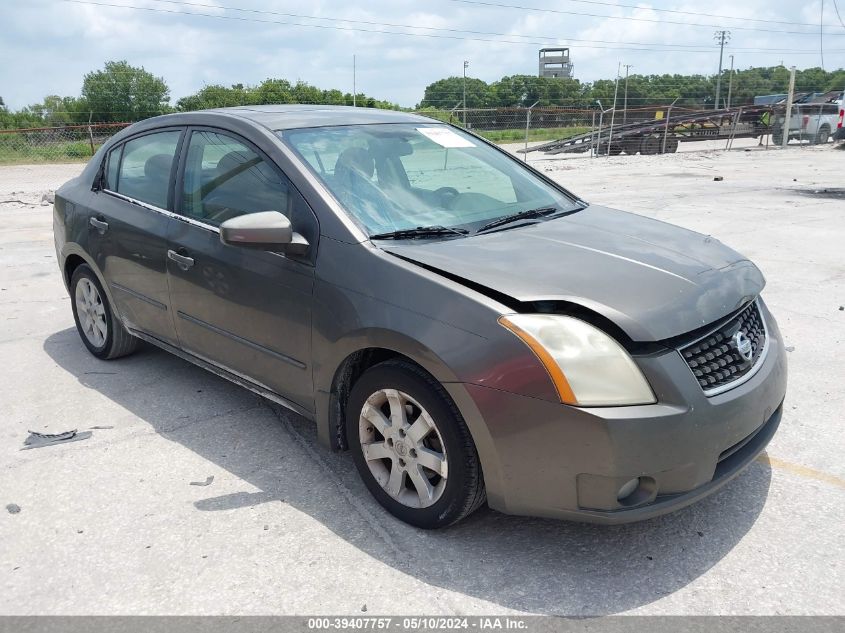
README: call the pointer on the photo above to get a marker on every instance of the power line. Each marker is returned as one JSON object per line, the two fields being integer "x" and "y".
{"x": 347, "y": 20}
{"x": 555, "y": 38}
{"x": 632, "y": 46}
{"x": 343, "y": 28}
{"x": 632, "y": 18}
{"x": 836, "y": 8}
{"x": 615, "y": 5}
{"x": 455, "y": 30}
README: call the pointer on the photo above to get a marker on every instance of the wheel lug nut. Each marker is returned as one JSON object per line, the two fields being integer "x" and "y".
{"x": 413, "y": 453}
{"x": 402, "y": 463}
{"x": 390, "y": 441}
{"x": 402, "y": 432}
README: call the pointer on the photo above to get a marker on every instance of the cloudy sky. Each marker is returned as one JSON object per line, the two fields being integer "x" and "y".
{"x": 400, "y": 45}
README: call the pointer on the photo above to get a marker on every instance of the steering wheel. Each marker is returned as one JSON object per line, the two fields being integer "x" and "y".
{"x": 446, "y": 196}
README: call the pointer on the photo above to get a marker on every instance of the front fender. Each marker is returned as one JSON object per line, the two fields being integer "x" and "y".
{"x": 328, "y": 413}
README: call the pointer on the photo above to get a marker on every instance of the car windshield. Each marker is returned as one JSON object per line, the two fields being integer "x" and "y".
{"x": 395, "y": 177}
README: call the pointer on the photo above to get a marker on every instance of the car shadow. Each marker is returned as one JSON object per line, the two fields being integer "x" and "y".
{"x": 535, "y": 565}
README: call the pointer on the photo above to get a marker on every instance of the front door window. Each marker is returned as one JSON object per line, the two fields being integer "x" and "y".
{"x": 224, "y": 178}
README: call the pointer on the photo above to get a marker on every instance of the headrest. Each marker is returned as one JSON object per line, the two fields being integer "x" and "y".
{"x": 158, "y": 166}
{"x": 357, "y": 159}
{"x": 231, "y": 161}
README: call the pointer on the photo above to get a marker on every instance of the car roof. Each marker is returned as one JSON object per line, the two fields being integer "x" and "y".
{"x": 286, "y": 117}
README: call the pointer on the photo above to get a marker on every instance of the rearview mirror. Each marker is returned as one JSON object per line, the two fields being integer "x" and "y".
{"x": 267, "y": 230}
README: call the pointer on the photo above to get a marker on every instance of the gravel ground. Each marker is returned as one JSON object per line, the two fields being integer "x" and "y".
{"x": 111, "y": 525}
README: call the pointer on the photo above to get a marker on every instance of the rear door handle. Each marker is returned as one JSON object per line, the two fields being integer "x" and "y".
{"x": 100, "y": 225}
{"x": 183, "y": 261}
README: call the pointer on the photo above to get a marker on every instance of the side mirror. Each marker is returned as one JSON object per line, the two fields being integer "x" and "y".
{"x": 267, "y": 230}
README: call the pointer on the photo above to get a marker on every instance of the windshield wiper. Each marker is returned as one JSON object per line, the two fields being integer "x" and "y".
{"x": 520, "y": 215}
{"x": 420, "y": 231}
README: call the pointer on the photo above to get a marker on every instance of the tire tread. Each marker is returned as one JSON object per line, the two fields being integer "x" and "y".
{"x": 121, "y": 342}
{"x": 474, "y": 492}
{"x": 477, "y": 492}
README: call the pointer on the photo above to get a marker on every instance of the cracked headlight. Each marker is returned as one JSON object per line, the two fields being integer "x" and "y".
{"x": 587, "y": 367}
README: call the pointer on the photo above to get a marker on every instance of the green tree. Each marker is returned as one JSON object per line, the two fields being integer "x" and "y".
{"x": 526, "y": 90}
{"x": 691, "y": 91}
{"x": 56, "y": 111}
{"x": 447, "y": 93}
{"x": 217, "y": 96}
{"x": 121, "y": 92}
{"x": 272, "y": 91}
{"x": 334, "y": 97}
{"x": 275, "y": 91}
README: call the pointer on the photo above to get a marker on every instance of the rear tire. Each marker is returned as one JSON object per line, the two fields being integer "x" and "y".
{"x": 100, "y": 330}
{"x": 412, "y": 447}
{"x": 822, "y": 135}
{"x": 650, "y": 145}
{"x": 615, "y": 149}
{"x": 631, "y": 145}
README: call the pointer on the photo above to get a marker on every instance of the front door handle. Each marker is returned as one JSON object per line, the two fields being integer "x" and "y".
{"x": 183, "y": 261}
{"x": 100, "y": 225}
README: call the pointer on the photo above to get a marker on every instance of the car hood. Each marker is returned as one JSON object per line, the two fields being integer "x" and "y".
{"x": 652, "y": 279}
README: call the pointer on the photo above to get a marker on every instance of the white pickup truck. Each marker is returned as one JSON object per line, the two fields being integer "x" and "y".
{"x": 839, "y": 133}
{"x": 814, "y": 123}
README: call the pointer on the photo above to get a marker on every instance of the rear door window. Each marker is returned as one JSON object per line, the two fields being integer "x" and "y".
{"x": 146, "y": 166}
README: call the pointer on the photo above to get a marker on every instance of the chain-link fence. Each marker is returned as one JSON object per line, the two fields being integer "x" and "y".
{"x": 600, "y": 131}
{"x": 54, "y": 144}
{"x": 647, "y": 129}
{"x": 541, "y": 124}
{"x": 515, "y": 125}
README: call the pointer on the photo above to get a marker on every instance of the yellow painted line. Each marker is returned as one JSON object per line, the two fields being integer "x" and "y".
{"x": 803, "y": 471}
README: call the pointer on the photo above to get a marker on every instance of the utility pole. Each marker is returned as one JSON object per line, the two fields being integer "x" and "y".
{"x": 821, "y": 31}
{"x": 722, "y": 37}
{"x": 730, "y": 82}
{"x": 613, "y": 113}
{"x": 788, "y": 115}
{"x": 625, "y": 106}
{"x": 354, "y": 87}
{"x": 466, "y": 63}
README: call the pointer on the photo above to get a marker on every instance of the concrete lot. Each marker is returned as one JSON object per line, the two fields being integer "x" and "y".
{"x": 112, "y": 525}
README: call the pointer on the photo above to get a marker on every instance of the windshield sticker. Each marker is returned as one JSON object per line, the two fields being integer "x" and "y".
{"x": 445, "y": 137}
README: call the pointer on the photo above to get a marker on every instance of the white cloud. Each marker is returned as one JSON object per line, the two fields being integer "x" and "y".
{"x": 53, "y": 43}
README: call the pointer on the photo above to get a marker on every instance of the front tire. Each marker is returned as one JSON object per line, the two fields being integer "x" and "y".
{"x": 100, "y": 330}
{"x": 412, "y": 447}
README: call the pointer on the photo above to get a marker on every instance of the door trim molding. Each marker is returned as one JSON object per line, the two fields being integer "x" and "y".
{"x": 241, "y": 340}
{"x": 139, "y": 296}
{"x": 227, "y": 374}
{"x": 165, "y": 212}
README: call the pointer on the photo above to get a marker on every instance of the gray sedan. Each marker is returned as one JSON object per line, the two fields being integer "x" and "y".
{"x": 472, "y": 332}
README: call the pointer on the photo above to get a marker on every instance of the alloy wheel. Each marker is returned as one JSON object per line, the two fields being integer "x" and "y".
{"x": 91, "y": 312}
{"x": 403, "y": 448}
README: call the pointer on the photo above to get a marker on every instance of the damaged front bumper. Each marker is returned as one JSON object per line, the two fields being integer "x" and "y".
{"x": 546, "y": 459}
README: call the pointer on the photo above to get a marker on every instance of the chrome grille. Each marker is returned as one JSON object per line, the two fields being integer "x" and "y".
{"x": 728, "y": 353}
